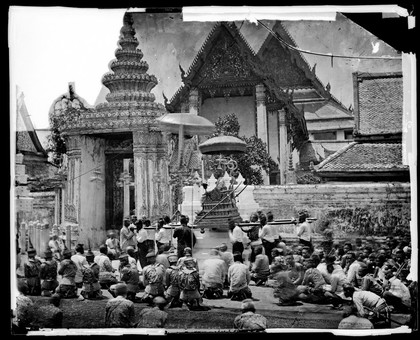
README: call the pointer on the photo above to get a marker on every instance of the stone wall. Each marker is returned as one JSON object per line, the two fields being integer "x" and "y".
{"x": 355, "y": 208}
{"x": 43, "y": 207}
{"x": 350, "y": 210}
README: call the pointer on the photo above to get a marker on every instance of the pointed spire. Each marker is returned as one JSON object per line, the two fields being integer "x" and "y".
{"x": 182, "y": 72}
{"x": 328, "y": 87}
{"x": 129, "y": 80}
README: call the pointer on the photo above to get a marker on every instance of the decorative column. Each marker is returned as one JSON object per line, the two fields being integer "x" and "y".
{"x": 262, "y": 131}
{"x": 57, "y": 205}
{"x": 92, "y": 191}
{"x": 141, "y": 189}
{"x": 193, "y": 101}
{"x": 283, "y": 147}
{"x": 124, "y": 182}
{"x": 151, "y": 174}
{"x": 261, "y": 113}
{"x": 71, "y": 201}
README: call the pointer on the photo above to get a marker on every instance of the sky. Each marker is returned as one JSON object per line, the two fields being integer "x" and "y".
{"x": 52, "y": 46}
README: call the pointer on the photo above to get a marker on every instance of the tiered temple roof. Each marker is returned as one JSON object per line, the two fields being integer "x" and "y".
{"x": 226, "y": 65}
{"x": 222, "y": 65}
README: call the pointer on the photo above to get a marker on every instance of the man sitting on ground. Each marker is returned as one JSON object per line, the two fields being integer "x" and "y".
{"x": 187, "y": 255}
{"x": 313, "y": 284}
{"x": 91, "y": 288}
{"x": 162, "y": 256}
{"x": 284, "y": 288}
{"x": 107, "y": 275}
{"x": 294, "y": 269}
{"x": 32, "y": 269}
{"x": 352, "y": 321}
{"x": 49, "y": 315}
{"x": 67, "y": 287}
{"x": 335, "y": 278}
{"x": 351, "y": 268}
{"x": 226, "y": 256}
{"x": 153, "y": 278}
{"x": 368, "y": 304}
{"x": 154, "y": 317}
{"x": 24, "y": 311}
{"x": 130, "y": 276}
{"x": 172, "y": 293}
{"x": 119, "y": 312}
{"x": 396, "y": 293}
{"x": 249, "y": 320}
{"x": 189, "y": 283}
{"x": 113, "y": 246}
{"x": 213, "y": 275}
{"x": 239, "y": 278}
{"x": 368, "y": 282}
{"x": 261, "y": 267}
{"x": 131, "y": 252}
{"x": 48, "y": 274}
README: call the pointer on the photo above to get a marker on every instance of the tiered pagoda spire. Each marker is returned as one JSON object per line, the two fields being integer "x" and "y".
{"x": 129, "y": 105}
{"x": 129, "y": 80}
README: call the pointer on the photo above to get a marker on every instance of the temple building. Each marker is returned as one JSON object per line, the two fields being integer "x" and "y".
{"x": 376, "y": 153}
{"x": 268, "y": 91}
{"x": 116, "y": 157}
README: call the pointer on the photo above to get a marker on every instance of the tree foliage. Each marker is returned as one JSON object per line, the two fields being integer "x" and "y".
{"x": 56, "y": 145}
{"x": 71, "y": 110}
{"x": 254, "y": 160}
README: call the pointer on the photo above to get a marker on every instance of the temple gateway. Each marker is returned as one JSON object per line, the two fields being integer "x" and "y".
{"x": 116, "y": 156}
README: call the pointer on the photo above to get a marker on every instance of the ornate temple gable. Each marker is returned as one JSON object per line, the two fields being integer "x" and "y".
{"x": 225, "y": 65}
{"x": 288, "y": 62}
{"x": 222, "y": 62}
{"x": 283, "y": 64}
{"x": 290, "y": 68}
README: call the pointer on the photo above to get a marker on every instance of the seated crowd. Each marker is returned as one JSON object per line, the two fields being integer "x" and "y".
{"x": 373, "y": 282}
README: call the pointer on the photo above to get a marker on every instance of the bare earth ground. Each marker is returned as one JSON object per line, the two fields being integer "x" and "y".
{"x": 91, "y": 313}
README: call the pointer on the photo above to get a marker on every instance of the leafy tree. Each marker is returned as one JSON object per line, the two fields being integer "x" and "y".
{"x": 256, "y": 157}
{"x": 56, "y": 145}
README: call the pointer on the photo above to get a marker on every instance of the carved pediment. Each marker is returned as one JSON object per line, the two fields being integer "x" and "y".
{"x": 284, "y": 65}
{"x": 225, "y": 62}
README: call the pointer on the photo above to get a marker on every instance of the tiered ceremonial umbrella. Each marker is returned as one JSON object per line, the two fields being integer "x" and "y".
{"x": 223, "y": 145}
{"x": 184, "y": 124}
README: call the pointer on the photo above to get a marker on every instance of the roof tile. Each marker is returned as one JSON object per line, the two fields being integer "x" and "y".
{"x": 380, "y": 105}
{"x": 365, "y": 157}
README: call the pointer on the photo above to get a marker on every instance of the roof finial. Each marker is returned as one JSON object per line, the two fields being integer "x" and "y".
{"x": 72, "y": 90}
{"x": 128, "y": 19}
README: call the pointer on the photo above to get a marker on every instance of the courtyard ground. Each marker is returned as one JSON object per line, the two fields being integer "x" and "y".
{"x": 89, "y": 314}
